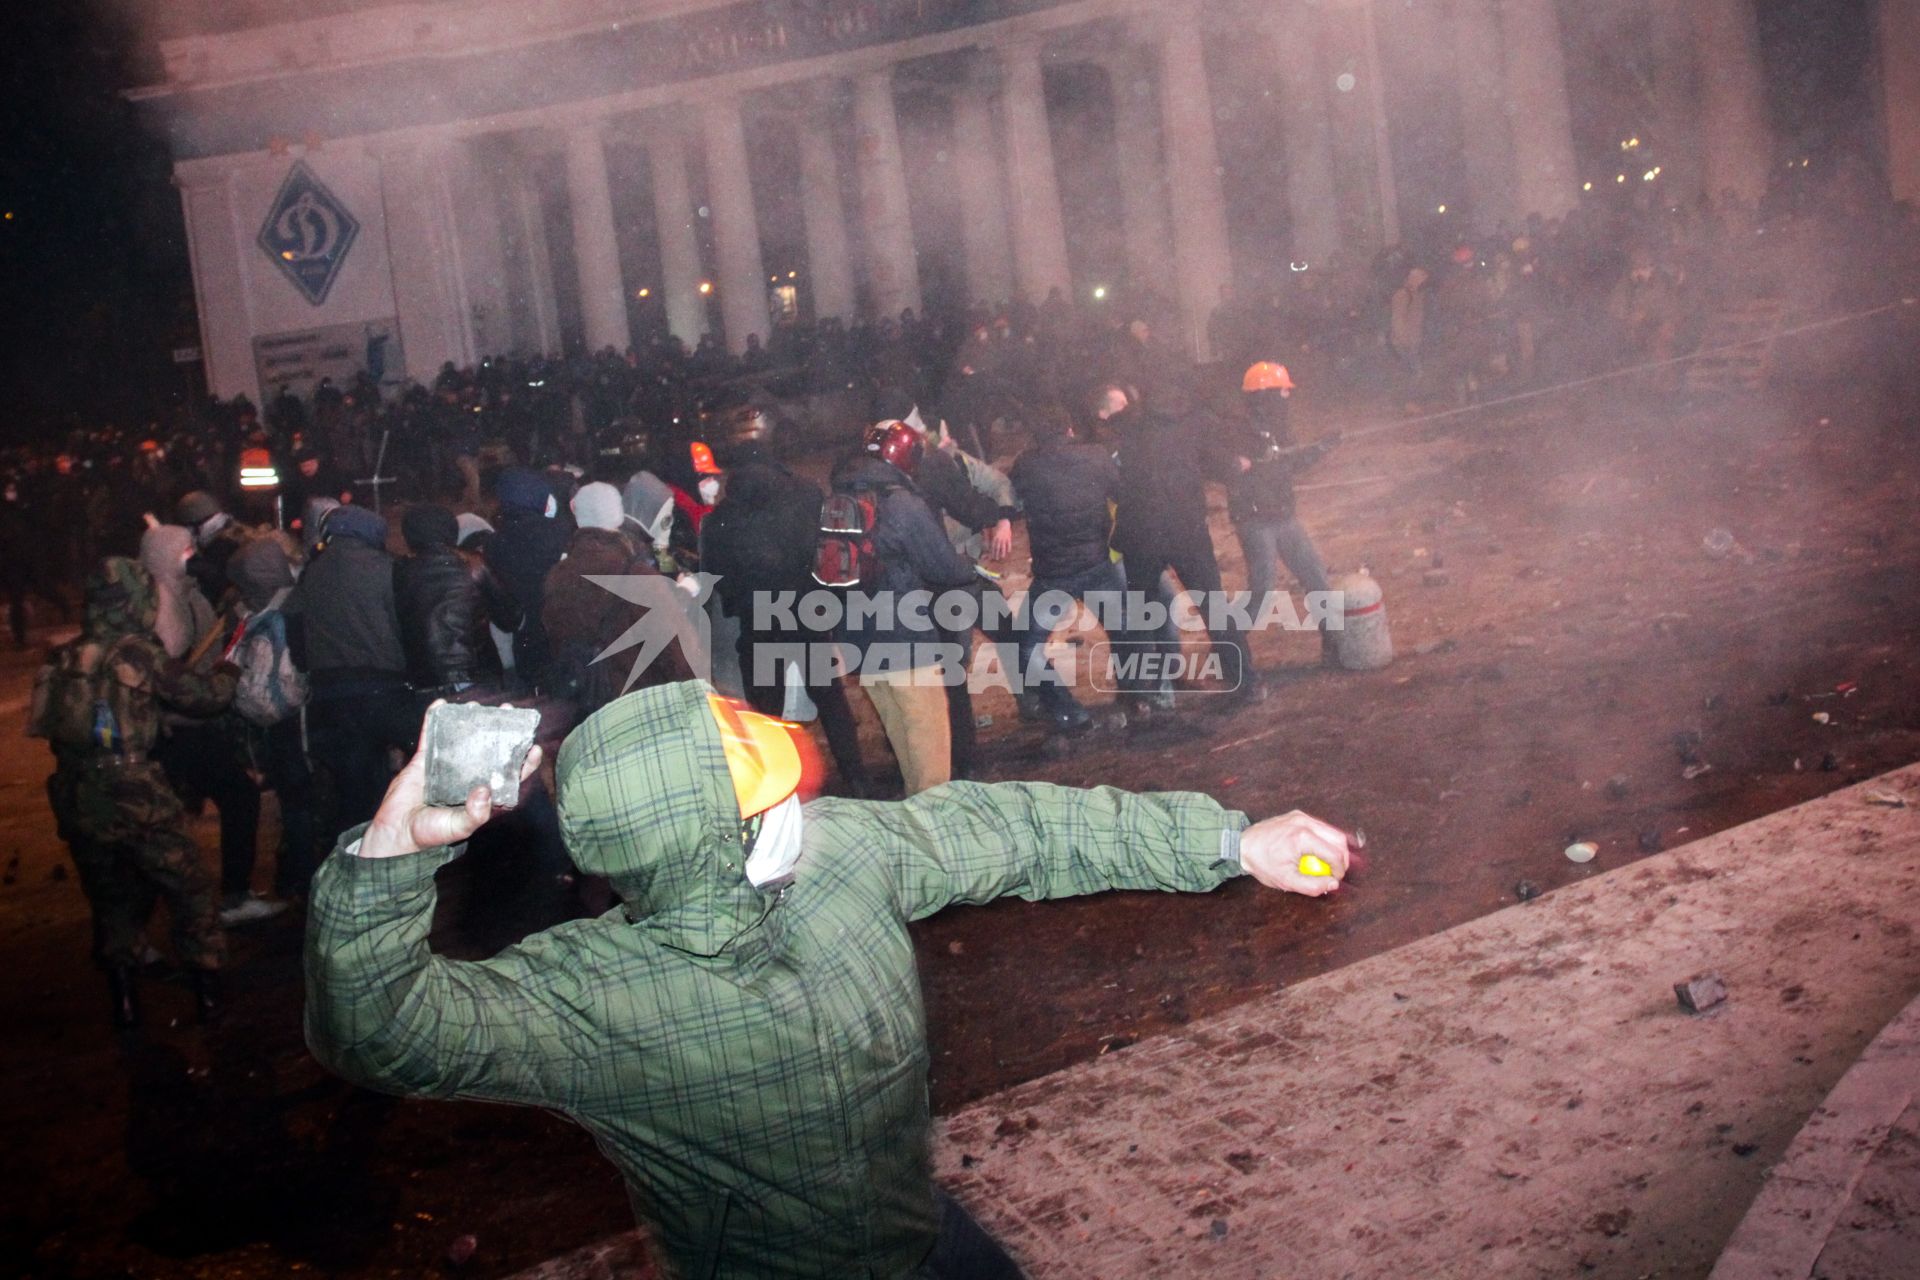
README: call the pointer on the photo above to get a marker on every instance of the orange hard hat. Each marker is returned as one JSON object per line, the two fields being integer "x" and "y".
{"x": 1267, "y": 376}
{"x": 703, "y": 463}
{"x": 762, "y": 755}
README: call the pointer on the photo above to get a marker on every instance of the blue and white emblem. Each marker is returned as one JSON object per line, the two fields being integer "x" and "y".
{"x": 308, "y": 233}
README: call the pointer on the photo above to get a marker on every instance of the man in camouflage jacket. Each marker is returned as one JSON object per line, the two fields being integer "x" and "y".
{"x": 745, "y": 1040}
{"x": 97, "y": 701}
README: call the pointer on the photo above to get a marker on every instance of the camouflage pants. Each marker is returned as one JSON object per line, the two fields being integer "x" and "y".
{"x": 125, "y": 868}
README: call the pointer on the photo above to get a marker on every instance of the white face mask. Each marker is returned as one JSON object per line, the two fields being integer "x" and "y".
{"x": 776, "y": 850}
{"x": 709, "y": 490}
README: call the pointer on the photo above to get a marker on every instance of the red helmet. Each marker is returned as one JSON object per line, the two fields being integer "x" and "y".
{"x": 896, "y": 443}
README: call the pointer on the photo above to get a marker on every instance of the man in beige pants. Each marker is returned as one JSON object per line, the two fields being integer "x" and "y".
{"x": 889, "y": 618}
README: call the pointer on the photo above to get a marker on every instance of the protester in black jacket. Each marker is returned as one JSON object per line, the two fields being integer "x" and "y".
{"x": 443, "y": 621}
{"x": 529, "y": 539}
{"x": 344, "y": 633}
{"x": 1067, "y": 489}
{"x": 1161, "y": 524}
{"x": 1259, "y": 459}
{"x": 760, "y": 541}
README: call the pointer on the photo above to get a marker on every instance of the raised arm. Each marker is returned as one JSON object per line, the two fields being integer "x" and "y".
{"x": 385, "y": 1012}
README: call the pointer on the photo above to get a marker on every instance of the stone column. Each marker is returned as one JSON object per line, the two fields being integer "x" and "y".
{"x": 429, "y": 296}
{"x": 481, "y": 242}
{"x": 1312, "y": 201}
{"x": 1899, "y": 41}
{"x": 215, "y": 248}
{"x": 1201, "y": 260}
{"x": 829, "y": 268}
{"x": 1143, "y": 189}
{"x": 536, "y": 310}
{"x": 679, "y": 240}
{"x": 1033, "y": 193}
{"x": 983, "y": 197}
{"x": 1737, "y": 141}
{"x": 740, "y": 274}
{"x": 893, "y": 270}
{"x": 1485, "y": 135}
{"x": 1373, "y": 73}
{"x": 1676, "y": 102}
{"x": 1538, "y": 115}
{"x": 1362, "y": 161}
{"x": 596, "y": 248}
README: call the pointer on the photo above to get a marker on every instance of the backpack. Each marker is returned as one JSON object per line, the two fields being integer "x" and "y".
{"x": 270, "y": 688}
{"x": 843, "y": 555}
{"x": 71, "y": 707}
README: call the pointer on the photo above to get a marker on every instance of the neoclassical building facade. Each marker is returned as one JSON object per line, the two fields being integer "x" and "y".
{"x": 406, "y": 184}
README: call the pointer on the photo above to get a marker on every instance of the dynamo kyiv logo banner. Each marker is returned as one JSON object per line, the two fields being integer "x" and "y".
{"x": 308, "y": 233}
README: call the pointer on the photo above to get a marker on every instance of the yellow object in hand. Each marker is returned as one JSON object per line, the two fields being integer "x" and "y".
{"x": 1312, "y": 866}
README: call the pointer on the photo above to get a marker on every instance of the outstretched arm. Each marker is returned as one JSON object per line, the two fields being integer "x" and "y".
{"x": 386, "y": 1013}
{"x": 967, "y": 842}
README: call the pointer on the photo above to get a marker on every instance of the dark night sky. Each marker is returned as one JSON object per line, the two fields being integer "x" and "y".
{"x": 93, "y": 259}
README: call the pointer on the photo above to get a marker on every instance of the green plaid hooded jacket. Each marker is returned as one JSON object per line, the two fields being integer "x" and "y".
{"x": 755, "y": 1062}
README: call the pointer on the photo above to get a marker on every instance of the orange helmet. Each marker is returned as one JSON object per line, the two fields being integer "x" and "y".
{"x": 897, "y": 443}
{"x": 703, "y": 463}
{"x": 1267, "y": 376}
{"x": 762, "y": 755}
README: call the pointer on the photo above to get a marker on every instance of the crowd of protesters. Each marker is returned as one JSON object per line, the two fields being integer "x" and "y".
{"x": 317, "y": 629}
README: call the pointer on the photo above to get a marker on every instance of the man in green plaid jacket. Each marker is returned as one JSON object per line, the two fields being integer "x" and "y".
{"x": 749, "y": 1049}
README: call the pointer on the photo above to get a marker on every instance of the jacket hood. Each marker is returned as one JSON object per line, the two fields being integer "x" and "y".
{"x": 645, "y": 500}
{"x": 427, "y": 526}
{"x": 646, "y": 800}
{"x": 359, "y": 524}
{"x": 524, "y": 490}
{"x": 121, "y": 600}
{"x": 469, "y": 524}
{"x": 260, "y": 570}
{"x": 164, "y": 550}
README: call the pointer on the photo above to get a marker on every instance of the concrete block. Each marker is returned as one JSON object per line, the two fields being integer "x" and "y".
{"x": 472, "y": 746}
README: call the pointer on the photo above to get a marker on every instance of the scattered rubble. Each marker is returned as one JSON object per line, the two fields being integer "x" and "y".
{"x": 1697, "y": 995}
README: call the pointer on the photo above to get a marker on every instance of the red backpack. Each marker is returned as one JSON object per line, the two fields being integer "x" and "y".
{"x": 843, "y": 555}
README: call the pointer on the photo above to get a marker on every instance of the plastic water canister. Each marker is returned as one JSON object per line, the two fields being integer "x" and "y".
{"x": 1363, "y": 643}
